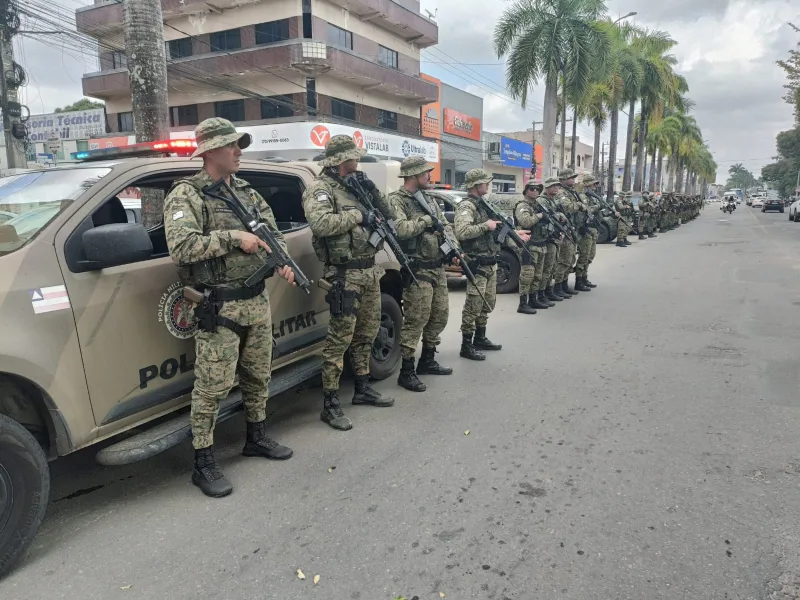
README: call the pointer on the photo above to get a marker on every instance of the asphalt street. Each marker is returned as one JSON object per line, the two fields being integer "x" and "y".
{"x": 636, "y": 442}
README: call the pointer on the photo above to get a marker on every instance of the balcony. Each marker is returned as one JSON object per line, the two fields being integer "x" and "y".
{"x": 307, "y": 57}
{"x": 395, "y": 17}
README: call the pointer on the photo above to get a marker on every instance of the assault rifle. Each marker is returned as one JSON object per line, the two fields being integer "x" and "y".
{"x": 277, "y": 257}
{"x": 604, "y": 203}
{"x": 551, "y": 216}
{"x": 383, "y": 229}
{"x": 506, "y": 228}
{"x": 449, "y": 246}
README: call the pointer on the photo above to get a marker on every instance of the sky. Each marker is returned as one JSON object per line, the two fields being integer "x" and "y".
{"x": 726, "y": 49}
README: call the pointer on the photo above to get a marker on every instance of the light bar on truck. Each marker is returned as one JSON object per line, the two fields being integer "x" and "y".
{"x": 161, "y": 147}
{"x": 440, "y": 186}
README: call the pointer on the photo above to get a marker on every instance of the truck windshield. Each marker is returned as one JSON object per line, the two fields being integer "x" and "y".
{"x": 32, "y": 200}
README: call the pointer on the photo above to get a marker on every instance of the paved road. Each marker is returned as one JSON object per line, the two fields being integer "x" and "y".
{"x": 638, "y": 441}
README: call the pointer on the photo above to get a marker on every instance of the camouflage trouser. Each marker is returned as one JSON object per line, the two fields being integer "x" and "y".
{"x": 357, "y": 332}
{"x": 549, "y": 264}
{"x": 530, "y": 276}
{"x": 475, "y": 313}
{"x": 622, "y": 229}
{"x": 644, "y": 224}
{"x": 425, "y": 312}
{"x": 587, "y": 248}
{"x": 215, "y": 366}
{"x": 565, "y": 260}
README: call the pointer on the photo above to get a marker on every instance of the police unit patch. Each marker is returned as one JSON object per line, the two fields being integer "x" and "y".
{"x": 177, "y": 313}
{"x": 322, "y": 196}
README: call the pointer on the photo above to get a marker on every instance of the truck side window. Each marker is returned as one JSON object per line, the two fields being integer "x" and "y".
{"x": 284, "y": 194}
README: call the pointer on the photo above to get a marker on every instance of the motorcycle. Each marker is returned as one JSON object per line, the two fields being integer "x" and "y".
{"x": 728, "y": 207}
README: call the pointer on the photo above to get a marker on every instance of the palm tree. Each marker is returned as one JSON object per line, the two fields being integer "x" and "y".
{"x": 592, "y": 107}
{"x": 661, "y": 138}
{"x": 545, "y": 39}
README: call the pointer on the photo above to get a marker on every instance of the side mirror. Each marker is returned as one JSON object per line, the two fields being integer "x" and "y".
{"x": 8, "y": 234}
{"x": 450, "y": 216}
{"x": 115, "y": 244}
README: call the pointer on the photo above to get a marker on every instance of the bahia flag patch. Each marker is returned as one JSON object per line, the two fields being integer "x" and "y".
{"x": 48, "y": 299}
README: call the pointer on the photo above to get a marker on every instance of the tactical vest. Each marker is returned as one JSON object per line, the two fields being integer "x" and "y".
{"x": 237, "y": 265}
{"x": 353, "y": 245}
{"x": 485, "y": 244}
{"x": 578, "y": 219}
{"x": 425, "y": 246}
{"x": 539, "y": 232}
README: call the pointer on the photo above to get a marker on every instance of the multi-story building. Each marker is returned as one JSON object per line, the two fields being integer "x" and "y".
{"x": 280, "y": 63}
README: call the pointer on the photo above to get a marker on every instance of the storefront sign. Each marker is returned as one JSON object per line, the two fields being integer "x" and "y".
{"x": 77, "y": 125}
{"x": 430, "y": 119}
{"x": 111, "y": 142}
{"x": 313, "y": 137}
{"x": 514, "y": 153}
{"x": 462, "y": 125}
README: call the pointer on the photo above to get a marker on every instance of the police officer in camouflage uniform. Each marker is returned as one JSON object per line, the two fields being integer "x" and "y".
{"x": 340, "y": 226}
{"x": 528, "y": 215}
{"x": 215, "y": 256}
{"x": 475, "y": 231}
{"x": 426, "y": 306}
{"x": 552, "y": 187}
{"x": 625, "y": 209}
{"x": 575, "y": 210}
{"x": 587, "y": 245}
{"x": 646, "y": 208}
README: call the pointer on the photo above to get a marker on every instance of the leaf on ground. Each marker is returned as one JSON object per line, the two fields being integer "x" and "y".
{"x": 316, "y": 579}
{"x": 126, "y": 587}
{"x": 331, "y": 469}
{"x": 300, "y": 574}
{"x": 465, "y": 433}
{"x": 441, "y": 594}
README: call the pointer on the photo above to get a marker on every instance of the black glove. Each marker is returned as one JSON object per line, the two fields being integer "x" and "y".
{"x": 365, "y": 181}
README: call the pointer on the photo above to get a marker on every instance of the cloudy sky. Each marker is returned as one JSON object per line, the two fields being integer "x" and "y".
{"x": 727, "y": 51}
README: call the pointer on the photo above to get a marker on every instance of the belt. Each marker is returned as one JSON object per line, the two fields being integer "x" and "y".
{"x": 222, "y": 294}
{"x": 427, "y": 264}
{"x": 483, "y": 261}
{"x": 366, "y": 263}
{"x": 538, "y": 244}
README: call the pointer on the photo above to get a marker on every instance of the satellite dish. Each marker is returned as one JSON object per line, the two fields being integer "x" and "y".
{"x": 432, "y": 15}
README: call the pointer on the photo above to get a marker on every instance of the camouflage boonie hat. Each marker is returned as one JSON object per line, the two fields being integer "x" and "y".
{"x": 588, "y": 180}
{"x": 215, "y": 133}
{"x": 565, "y": 174}
{"x": 625, "y": 194}
{"x": 532, "y": 185}
{"x": 414, "y": 165}
{"x": 475, "y": 177}
{"x": 339, "y": 149}
{"x": 550, "y": 182}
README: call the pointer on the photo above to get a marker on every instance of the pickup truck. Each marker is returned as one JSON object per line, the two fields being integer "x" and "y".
{"x": 95, "y": 345}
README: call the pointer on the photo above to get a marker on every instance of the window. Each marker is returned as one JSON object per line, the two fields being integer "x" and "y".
{"x": 387, "y": 119}
{"x": 340, "y": 37}
{"x": 179, "y": 48}
{"x": 311, "y": 95}
{"x": 119, "y": 60}
{"x": 387, "y": 57}
{"x": 578, "y": 158}
{"x": 183, "y": 115}
{"x": 125, "y": 121}
{"x": 343, "y": 108}
{"x": 274, "y": 31}
{"x": 226, "y": 40}
{"x": 233, "y": 110}
{"x": 276, "y": 107}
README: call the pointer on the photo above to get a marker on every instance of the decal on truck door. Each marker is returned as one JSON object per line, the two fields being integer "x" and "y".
{"x": 177, "y": 313}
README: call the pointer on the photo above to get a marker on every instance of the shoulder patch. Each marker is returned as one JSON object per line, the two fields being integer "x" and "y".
{"x": 322, "y": 196}
{"x": 177, "y": 215}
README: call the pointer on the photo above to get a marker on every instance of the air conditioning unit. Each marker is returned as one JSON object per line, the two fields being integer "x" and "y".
{"x": 493, "y": 152}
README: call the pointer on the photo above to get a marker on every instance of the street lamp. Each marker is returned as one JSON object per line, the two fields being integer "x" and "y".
{"x": 630, "y": 14}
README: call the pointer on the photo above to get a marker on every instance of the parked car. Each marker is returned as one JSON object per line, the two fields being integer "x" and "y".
{"x": 757, "y": 203}
{"x": 794, "y": 211}
{"x": 97, "y": 338}
{"x": 773, "y": 203}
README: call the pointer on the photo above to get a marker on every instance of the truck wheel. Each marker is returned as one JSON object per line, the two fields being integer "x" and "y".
{"x": 604, "y": 234}
{"x": 508, "y": 269}
{"x": 24, "y": 490}
{"x": 385, "y": 355}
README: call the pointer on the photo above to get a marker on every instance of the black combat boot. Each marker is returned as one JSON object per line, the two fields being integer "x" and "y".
{"x": 621, "y": 244}
{"x": 566, "y": 289}
{"x": 580, "y": 285}
{"x": 481, "y": 342}
{"x": 427, "y": 364}
{"x": 258, "y": 443}
{"x": 468, "y": 350}
{"x": 366, "y": 394}
{"x": 534, "y": 301}
{"x": 652, "y": 234}
{"x": 551, "y": 294}
{"x": 408, "y": 377}
{"x": 642, "y": 236}
{"x": 558, "y": 291}
{"x": 523, "y": 306}
{"x": 332, "y": 412}
{"x": 588, "y": 283}
{"x": 628, "y": 242}
{"x": 207, "y": 476}
{"x": 544, "y": 299}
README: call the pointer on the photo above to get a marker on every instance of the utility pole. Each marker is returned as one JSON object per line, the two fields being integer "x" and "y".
{"x": 147, "y": 70}
{"x": 603, "y": 162}
{"x": 11, "y": 78}
{"x": 534, "y": 166}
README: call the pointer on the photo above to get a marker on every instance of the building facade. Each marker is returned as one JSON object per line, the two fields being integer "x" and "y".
{"x": 353, "y": 63}
{"x": 584, "y": 153}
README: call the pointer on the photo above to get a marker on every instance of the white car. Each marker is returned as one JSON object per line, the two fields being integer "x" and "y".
{"x": 758, "y": 203}
{"x": 794, "y": 211}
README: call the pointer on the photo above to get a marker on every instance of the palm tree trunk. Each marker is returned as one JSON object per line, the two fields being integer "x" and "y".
{"x": 626, "y": 174}
{"x": 574, "y": 136}
{"x": 563, "y": 126}
{"x": 679, "y": 176}
{"x": 641, "y": 156}
{"x": 652, "y": 182}
{"x": 549, "y": 126}
{"x": 596, "y": 152}
{"x": 612, "y": 154}
{"x": 660, "y": 172}
{"x": 671, "y": 168}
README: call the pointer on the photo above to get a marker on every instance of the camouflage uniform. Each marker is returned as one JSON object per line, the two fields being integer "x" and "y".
{"x": 575, "y": 209}
{"x": 587, "y": 246}
{"x": 342, "y": 244}
{"x": 554, "y": 242}
{"x": 645, "y": 215}
{"x": 482, "y": 248}
{"x": 202, "y": 236}
{"x": 425, "y": 306}
{"x": 526, "y": 216}
{"x": 625, "y": 209}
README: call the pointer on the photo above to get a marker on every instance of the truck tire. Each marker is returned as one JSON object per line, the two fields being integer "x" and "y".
{"x": 508, "y": 269}
{"x": 604, "y": 234}
{"x": 385, "y": 356}
{"x": 24, "y": 490}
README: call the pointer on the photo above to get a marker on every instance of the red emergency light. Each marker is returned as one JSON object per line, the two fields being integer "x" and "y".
{"x": 161, "y": 147}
